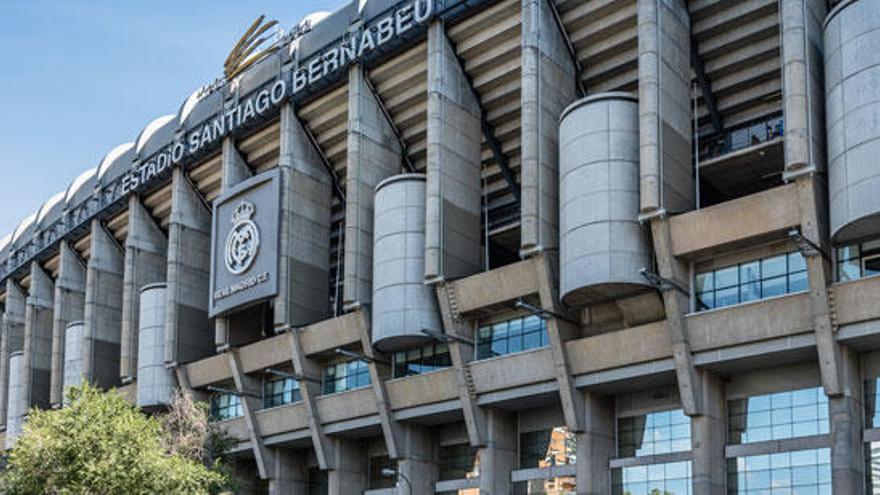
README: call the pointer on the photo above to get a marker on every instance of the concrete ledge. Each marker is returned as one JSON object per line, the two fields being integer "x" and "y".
{"x": 455, "y": 485}
{"x": 512, "y": 370}
{"x": 426, "y": 388}
{"x": 329, "y": 334}
{"x": 210, "y": 370}
{"x": 620, "y": 348}
{"x": 346, "y": 405}
{"x": 650, "y": 459}
{"x": 281, "y": 419}
{"x": 737, "y": 221}
{"x": 542, "y": 473}
{"x": 775, "y": 446}
{"x": 235, "y": 428}
{"x": 856, "y": 301}
{"x": 494, "y": 287}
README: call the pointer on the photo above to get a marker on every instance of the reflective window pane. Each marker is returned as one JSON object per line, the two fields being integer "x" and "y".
{"x": 670, "y": 478}
{"x": 776, "y": 416}
{"x": 516, "y": 335}
{"x": 653, "y": 433}
{"x": 804, "y": 471}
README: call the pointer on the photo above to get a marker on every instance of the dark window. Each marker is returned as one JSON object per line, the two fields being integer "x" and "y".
{"x": 421, "y": 360}
{"x": 377, "y": 480}
{"x": 872, "y": 403}
{"x": 758, "y": 279}
{"x": 225, "y": 406}
{"x": 506, "y": 337}
{"x": 545, "y": 448}
{"x": 459, "y": 462}
{"x": 280, "y": 392}
{"x": 653, "y": 433}
{"x": 761, "y": 418}
{"x": 858, "y": 260}
{"x": 318, "y": 484}
{"x": 349, "y": 375}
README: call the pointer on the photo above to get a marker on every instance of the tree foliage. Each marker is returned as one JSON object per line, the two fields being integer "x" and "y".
{"x": 100, "y": 443}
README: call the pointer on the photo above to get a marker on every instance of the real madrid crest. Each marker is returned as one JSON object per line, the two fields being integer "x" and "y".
{"x": 243, "y": 241}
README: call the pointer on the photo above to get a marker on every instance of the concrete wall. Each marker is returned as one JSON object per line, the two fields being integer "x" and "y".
{"x": 37, "y": 358}
{"x": 103, "y": 309}
{"x": 70, "y": 293}
{"x": 17, "y": 407}
{"x": 154, "y": 382}
{"x": 72, "y": 370}
{"x": 12, "y": 340}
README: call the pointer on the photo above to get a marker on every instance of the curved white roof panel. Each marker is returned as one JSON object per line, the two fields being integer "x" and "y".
{"x": 26, "y": 226}
{"x": 315, "y": 17}
{"x": 4, "y": 244}
{"x": 197, "y": 108}
{"x": 155, "y": 133}
{"x": 116, "y": 162}
{"x": 86, "y": 178}
{"x": 51, "y": 208}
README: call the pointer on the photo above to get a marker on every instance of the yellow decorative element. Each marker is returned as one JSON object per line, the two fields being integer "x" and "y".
{"x": 246, "y": 52}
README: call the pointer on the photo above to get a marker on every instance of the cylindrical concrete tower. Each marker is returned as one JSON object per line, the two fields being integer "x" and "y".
{"x": 852, "y": 101}
{"x": 602, "y": 244}
{"x": 402, "y": 304}
{"x": 16, "y": 408}
{"x": 154, "y": 384}
{"x": 73, "y": 355}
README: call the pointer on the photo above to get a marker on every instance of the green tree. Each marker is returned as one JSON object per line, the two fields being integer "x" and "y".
{"x": 100, "y": 443}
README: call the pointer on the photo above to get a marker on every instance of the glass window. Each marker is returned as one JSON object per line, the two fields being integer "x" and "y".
{"x": 280, "y": 392}
{"x": 858, "y": 260}
{"x": 225, "y": 406}
{"x": 654, "y": 433}
{"x": 562, "y": 485}
{"x": 776, "y": 416}
{"x": 758, "y": 279}
{"x": 673, "y": 478}
{"x": 421, "y": 360}
{"x": 506, "y": 337}
{"x": 545, "y": 448}
{"x": 377, "y": 480}
{"x": 872, "y": 403}
{"x": 460, "y": 461}
{"x": 872, "y": 467}
{"x": 801, "y": 471}
{"x": 348, "y": 375}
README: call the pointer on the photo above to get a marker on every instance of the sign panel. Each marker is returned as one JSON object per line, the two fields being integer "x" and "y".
{"x": 244, "y": 244}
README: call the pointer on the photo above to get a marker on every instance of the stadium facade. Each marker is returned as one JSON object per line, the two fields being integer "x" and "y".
{"x": 516, "y": 246}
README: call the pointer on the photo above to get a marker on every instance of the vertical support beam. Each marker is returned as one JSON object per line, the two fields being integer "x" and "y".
{"x": 454, "y": 166}
{"x": 187, "y": 326}
{"x": 595, "y": 445}
{"x": 373, "y": 155}
{"x": 37, "y": 358}
{"x": 233, "y": 169}
{"x": 310, "y": 388}
{"x": 558, "y": 332}
{"x": 12, "y": 341}
{"x": 846, "y": 415}
{"x": 249, "y": 389}
{"x": 103, "y": 309}
{"x": 462, "y": 354}
{"x": 499, "y": 457}
{"x": 145, "y": 263}
{"x": 676, "y": 305}
{"x": 291, "y": 472}
{"x": 548, "y": 86}
{"x": 708, "y": 436}
{"x": 70, "y": 294}
{"x": 304, "y": 249}
{"x": 348, "y": 467}
{"x": 666, "y": 171}
{"x": 803, "y": 92}
{"x": 417, "y": 462}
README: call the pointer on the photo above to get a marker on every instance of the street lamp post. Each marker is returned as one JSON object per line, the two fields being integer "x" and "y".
{"x": 393, "y": 473}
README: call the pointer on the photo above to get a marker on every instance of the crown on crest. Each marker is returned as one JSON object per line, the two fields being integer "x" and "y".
{"x": 244, "y": 211}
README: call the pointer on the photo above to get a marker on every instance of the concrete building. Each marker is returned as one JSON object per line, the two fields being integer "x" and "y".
{"x": 514, "y": 246}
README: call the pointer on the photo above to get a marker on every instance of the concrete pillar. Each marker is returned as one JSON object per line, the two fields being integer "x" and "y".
{"x": 103, "y": 309}
{"x": 803, "y": 94}
{"x": 708, "y": 436}
{"x": 846, "y": 414}
{"x": 499, "y": 458}
{"x": 70, "y": 294}
{"x": 348, "y": 468}
{"x": 373, "y": 154}
{"x": 187, "y": 327}
{"x": 666, "y": 172}
{"x": 595, "y": 445}
{"x": 145, "y": 264}
{"x": 304, "y": 247}
{"x": 12, "y": 340}
{"x": 454, "y": 165}
{"x": 548, "y": 86}
{"x": 37, "y": 358}
{"x": 417, "y": 462}
{"x": 291, "y": 472}
{"x": 233, "y": 169}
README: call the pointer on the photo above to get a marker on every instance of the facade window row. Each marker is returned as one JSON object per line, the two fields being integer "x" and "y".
{"x": 508, "y": 337}
{"x": 751, "y": 281}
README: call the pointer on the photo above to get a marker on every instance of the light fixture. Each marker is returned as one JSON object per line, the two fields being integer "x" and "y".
{"x": 542, "y": 313}
{"x": 358, "y": 356}
{"x": 446, "y": 337}
{"x": 285, "y": 374}
{"x": 808, "y": 248}
{"x": 227, "y": 391}
{"x": 393, "y": 473}
{"x": 662, "y": 283}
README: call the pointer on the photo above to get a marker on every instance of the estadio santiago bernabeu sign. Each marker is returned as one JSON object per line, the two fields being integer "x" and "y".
{"x": 244, "y": 244}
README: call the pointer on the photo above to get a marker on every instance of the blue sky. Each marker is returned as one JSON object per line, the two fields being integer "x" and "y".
{"x": 79, "y": 77}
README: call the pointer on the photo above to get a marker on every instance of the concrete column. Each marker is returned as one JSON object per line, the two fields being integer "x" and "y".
{"x": 499, "y": 458}
{"x": 548, "y": 86}
{"x": 454, "y": 165}
{"x": 304, "y": 248}
{"x": 417, "y": 460}
{"x": 348, "y": 468}
{"x": 666, "y": 171}
{"x": 12, "y": 340}
{"x": 103, "y": 309}
{"x": 37, "y": 358}
{"x": 291, "y": 472}
{"x": 803, "y": 95}
{"x": 233, "y": 169}
{"x": 310, "y": 389}
{"x": 373, "y": 155}
{"x": 708, "y": 436}
{"x": 595, "y": 445}
{"x": 145, "y": 263}
{"x": 846, "y": 414}
{"x": 187, "y": 327}
{"x": 70, "y": 294}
